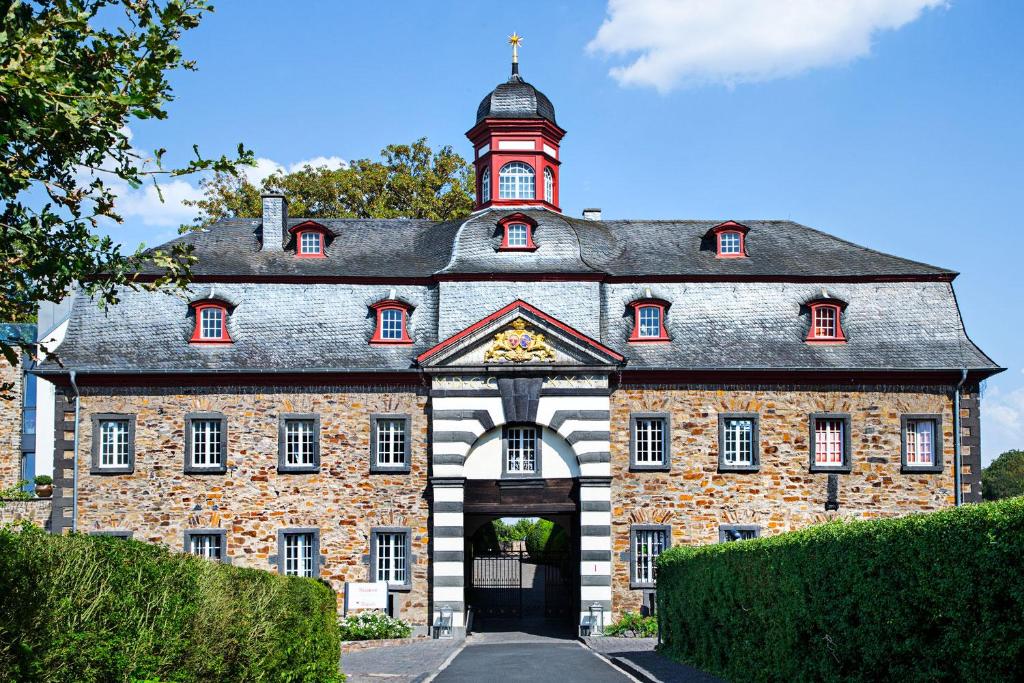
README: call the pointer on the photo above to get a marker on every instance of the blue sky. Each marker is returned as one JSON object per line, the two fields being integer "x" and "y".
{"x": 892, "y": 123}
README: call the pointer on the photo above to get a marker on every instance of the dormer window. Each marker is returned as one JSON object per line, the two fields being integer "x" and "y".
{"x": 729, "y": 239}
{"x": 517, "y": 233}
{"x": 311, "y": 243}
{"x": 826, "y": 324}
{"x": 392, "y": 322}
{"x": 649, "y": 320}
{"x": 211, "y": 323}
{"x": 310, "y": 239}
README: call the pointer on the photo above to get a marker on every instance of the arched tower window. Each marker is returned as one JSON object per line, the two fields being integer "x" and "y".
{"x": 516, "y": 180}
{"x": 485, "y": 186}
{"x": 549, "y": 186}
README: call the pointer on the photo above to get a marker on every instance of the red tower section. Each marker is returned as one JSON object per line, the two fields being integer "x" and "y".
{"x": 516, "y": 147}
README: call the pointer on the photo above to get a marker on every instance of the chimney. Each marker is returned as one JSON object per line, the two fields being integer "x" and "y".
{"x": 592, "y": 214}
{"x": 275, "y": 222}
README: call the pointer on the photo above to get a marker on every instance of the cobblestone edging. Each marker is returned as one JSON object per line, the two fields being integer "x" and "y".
{"x": 360, "y": 645}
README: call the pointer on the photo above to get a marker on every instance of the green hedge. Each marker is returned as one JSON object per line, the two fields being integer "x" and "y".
{"x": 97, "y": 608}
{"x": 546, "y": 541}
{"x": 932, "y": 597}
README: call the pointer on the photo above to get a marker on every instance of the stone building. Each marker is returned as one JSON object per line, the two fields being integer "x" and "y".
{"x": 353, "y": 399}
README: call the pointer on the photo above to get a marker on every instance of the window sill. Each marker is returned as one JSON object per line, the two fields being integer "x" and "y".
{"x": 205, "y": 470}
{"x": 526, "y": 249}
{"x": 377, "y": 469}
{"x": 922, "y": 469}
{"x": 641, "y": 586}
{"x": 819, "y": 469}
{"x": 310, "y": 469}
{"x": 634, "y": 467}
{"x": 834, "y": 341}
{"x": 739, "y": 469}
{"x": 404, "y": 588}
{"x": 105, "y": 471}
{"x": 390, "y": 342}
{"x": 211, "y": 341}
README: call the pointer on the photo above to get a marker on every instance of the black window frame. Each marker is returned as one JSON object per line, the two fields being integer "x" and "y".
{"x": 282, "y": 444}
{"x": 633, "y": 529}
{"x": 406, "y": 466}
{"x": 222, "y": 533}
{"x": 95, "y": 468}
{"x": 409, "y": 557}
{"x": 666, "y": 442}
{"x": 755, "y": 446}
{"x": 847, "y": 465}
{"x": 282, "y": 535}
{"x": 538, "y": 465}
{"x": 937, "y": 444}
{"x": 724, "y": 529}
{"x": 211, "y": 416}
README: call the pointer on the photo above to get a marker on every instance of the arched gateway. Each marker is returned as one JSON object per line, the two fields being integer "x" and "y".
{"x": 519, "y": 408}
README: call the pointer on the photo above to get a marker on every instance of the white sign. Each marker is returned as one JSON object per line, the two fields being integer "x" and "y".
{"x": 360, "y": 596}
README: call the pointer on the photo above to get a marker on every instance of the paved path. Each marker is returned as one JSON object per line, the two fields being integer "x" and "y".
{"x": 529, "y": 662}
{"x": 398, "y": 663}
{"x": 638, "y": 656}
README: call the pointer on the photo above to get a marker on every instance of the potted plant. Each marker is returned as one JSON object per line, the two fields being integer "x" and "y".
{"x": 44, "y": 486}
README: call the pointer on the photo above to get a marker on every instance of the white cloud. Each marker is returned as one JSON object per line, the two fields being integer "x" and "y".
{"x": 264, "y": 168}
{"x": 675, "y": 43}
{"x": 1002, "y": 422}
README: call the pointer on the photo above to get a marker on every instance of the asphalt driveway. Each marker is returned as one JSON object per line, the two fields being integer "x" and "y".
{"x": 530, "y": 662}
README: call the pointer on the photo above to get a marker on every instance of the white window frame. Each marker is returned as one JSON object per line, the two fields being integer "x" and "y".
{"x": 390, "y": 448}
{"x": 311, "y": 242}
{"x": 729, "y": 243}
{"x": 517, "y": 235}
{"x": 517, "y": 180}
{"x": 211, "y": 319}
{"x": 391, "y": 557}
{"x": 207, "y": 442}
{"x": 823, "y": 321}
{"x": 521, "y": 449}
{"x": 647, "y": 543}
{"x": 643, "y": 327}
{"x": 115, "y": 447}
{"x": 299, "y": 548}
{"x": 485, "y": 186}
{"x": 391, "y": 327}
{"x": 649, "y": 440}
{"x": 738, "y": 441}
{"x": 549, "y": 185}
{"x": 300, "y": 435}
{"x": 208, "y": 545}
{"x": 830, "y": 433}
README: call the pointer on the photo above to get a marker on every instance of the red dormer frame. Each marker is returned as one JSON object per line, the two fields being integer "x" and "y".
{"x": 730, "y": 228}
{"x": 662, "y": 307}
{"x": 198, "y": 336}
{"x": 826, "y": 317}
{"x": 517, "y": 219}
{"x": 314, "y": 228}
{"x": 379, "y": 309}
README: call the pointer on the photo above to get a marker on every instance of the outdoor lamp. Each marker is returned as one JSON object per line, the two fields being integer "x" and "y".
{"x": 596, "y": 619}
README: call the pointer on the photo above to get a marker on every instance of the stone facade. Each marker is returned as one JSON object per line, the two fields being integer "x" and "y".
{"x": 158, "y": 502}
{"x": 693, "y": 498}
{"x": 10, "y": 424}
{"x": 36, "y": 511}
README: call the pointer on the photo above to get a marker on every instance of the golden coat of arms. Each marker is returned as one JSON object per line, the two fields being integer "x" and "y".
{"x": 519, "y": 345}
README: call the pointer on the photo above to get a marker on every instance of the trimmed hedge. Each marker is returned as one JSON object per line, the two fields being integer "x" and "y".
{"x": 546, "y": 541}
{"x": 98, "y": 608}
{"x": 921, "y": 598}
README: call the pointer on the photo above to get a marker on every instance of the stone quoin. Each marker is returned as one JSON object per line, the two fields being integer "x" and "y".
{"x": 353, "y": 399}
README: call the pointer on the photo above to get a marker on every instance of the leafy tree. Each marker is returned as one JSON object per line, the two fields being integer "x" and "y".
{"x": 1004, "y": 477}
{"x": 411, "y": 181}
{"x": 73, "y": 75}
{"x": 513, "y": 532}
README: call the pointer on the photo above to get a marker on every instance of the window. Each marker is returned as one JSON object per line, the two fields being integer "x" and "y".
{"x": 922, "y": 443}
{"x": 517, "y": 233}
{"x": 298, "y": 443}
{"x": 392, "y": 327}
{"x": 485, "y": 186}
{"x": 311, "y": 243}
{"x": 826, "y": 322}
{"x": 730, "y": 243}
{"x": 28, "y": 403}
{"x": 205, "y": 443}
{"x": 738, "y": 442}
{"x": 299, "y": 552}
{"x": 389, "y": 443}
{"x": 649, "y": 449}
{"x": 211, "y": 323}
{"x": 830, "y": 443}
{"x": 208, "y": 543}
{"x": 649, "y": 320}
{"x": 647, "y": 544}
{"x": 113, "y": 444}
{"x": 522, "y": 450}
{"x": 390, "y": 556}
{"x": 28, "y": 471}
{"x": 738, "y": 532}
{"x": 516, "y": 181}
{"x": 549, "y": 186}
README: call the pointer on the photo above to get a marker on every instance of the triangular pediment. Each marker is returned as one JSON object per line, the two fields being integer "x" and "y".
{"x": 520, "y": 336}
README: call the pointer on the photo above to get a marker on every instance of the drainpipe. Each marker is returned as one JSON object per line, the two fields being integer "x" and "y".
{"x": 958, "y": 494}
{"x": 74, "y": 475}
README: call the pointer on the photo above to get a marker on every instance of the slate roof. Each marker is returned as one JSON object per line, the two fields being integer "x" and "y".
{"x": 902, "y": 314}
{"x": 515, "y": 99}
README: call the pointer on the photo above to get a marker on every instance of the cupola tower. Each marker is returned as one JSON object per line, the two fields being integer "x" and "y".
{"x": 515, "y": 143}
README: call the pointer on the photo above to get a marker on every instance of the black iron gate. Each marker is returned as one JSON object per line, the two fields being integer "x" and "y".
{"x": 509, "y": 584}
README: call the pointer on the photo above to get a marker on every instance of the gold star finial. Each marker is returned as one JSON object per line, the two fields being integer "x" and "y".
{"x": 515, "y": 40}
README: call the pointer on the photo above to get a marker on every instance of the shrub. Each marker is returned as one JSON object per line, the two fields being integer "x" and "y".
{"x": 373, "y": 626}
{"x": 919, "y": 598}
{"x": 98, "y": 608}
{"x": 546, "y": 541}
{"x": 633, "y": 625}
{"x": 42, "y": 480}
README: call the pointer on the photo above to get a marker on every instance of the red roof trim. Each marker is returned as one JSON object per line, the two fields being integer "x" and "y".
{"x": 518, "y": 303}
{"x": 309, "y": 225}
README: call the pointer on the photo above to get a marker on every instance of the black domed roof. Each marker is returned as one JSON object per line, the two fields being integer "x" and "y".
{"x": 515, "y": 99}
